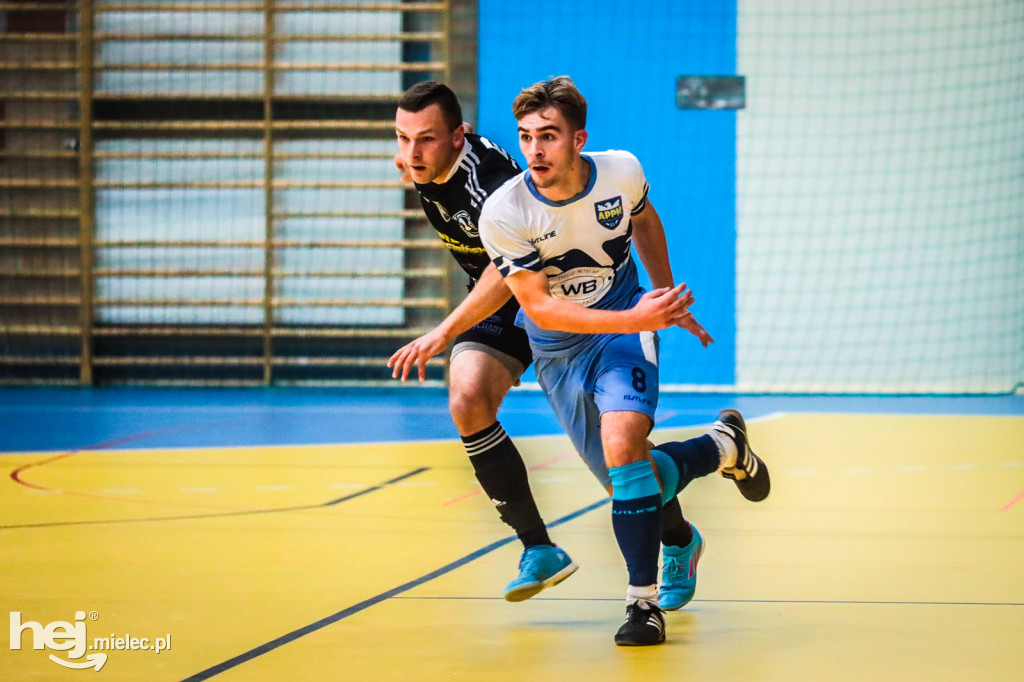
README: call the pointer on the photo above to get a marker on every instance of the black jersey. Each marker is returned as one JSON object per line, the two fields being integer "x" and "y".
{"x": 453, "y": 206}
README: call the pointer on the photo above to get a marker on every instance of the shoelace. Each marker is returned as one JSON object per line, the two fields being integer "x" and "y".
{"x": 672, "y": 569}
{"x": 530, "y": 558}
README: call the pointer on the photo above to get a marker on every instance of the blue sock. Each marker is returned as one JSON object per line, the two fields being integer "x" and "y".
{"x": 636, "y": 519}
{"x": 679, "y": 462}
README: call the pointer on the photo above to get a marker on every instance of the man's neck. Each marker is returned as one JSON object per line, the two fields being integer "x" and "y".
{"x": 447, "y": 174}
{"x": 573, "y": 185}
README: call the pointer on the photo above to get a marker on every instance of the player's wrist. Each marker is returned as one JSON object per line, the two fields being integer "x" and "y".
{"x": 445, "y": 332}
{"x": 634, "y": 322}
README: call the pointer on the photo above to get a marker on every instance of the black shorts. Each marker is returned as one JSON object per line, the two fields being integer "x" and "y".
{"x": 499, "y": 336}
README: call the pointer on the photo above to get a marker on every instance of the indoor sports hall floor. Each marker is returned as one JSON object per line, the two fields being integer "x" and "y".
{"x": 340, "y": 535}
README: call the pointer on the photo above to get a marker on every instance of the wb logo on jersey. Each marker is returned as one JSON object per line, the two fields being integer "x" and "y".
{"x": 609, "y": 213}
{"x": 582, "y": 285}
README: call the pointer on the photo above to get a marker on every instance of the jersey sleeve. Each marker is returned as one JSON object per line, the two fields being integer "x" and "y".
{"x": 508, "y": 248}
{"x": 637, "y": 183}
{"x": 639, "y": 207}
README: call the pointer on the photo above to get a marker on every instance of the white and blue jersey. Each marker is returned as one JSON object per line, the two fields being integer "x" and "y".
{"x": 583, "y": 244}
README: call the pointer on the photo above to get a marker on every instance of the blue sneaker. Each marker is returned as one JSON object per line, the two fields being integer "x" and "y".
{"x": 540, "y": 566}
{"x": 679, "y": 573}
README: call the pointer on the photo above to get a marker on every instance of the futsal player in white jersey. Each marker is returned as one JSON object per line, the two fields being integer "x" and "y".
{"x": 561, "y": 236}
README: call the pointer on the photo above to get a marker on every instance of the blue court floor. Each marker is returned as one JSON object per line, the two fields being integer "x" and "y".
{"x": 48, "y": 419}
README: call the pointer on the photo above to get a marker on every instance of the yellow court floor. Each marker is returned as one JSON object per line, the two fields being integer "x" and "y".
{"x": 891, "y": 548}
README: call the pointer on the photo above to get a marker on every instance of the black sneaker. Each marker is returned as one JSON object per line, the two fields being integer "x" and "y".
{"x": 750, "y": 472}
{"x": 644, "y": 626}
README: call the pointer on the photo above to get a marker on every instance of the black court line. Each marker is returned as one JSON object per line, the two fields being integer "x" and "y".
{"x": 214, "y": 515}
{"x": 853, "y": 602}
{"x": 356, "y": 608}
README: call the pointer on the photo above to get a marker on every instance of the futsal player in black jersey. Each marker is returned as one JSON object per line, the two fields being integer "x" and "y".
{"x": 454, "y": 171}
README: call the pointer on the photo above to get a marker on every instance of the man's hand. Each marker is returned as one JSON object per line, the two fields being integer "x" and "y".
{"x": 690, "y": 324}
{"x": 417, "y": 353}
{"x": 662, "y": 308}
{"x": 400, "y": 165}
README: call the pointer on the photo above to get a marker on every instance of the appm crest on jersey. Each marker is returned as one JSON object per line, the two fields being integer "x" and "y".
{"x": 609, "y": 212}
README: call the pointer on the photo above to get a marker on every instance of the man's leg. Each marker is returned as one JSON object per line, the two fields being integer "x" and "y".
{"x": 636, "y": 521}
{"x": 479, "y": 383}
{"x": 726, "y": 449}
{"x": 625, "y": 391}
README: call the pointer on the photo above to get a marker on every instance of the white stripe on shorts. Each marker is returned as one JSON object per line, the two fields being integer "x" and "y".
{"x": 649, "y": 347}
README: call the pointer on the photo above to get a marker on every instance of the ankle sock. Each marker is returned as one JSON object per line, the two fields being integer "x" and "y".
{"x": 726, "y": 447}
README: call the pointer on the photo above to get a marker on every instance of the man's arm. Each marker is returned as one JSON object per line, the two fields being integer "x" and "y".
{"x": 486, "y": 298}
{"x": 656, "y": 309}
{"x": 652, "y": 248}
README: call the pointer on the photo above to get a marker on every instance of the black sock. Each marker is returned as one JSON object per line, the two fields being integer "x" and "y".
{"x": 499, "y": 468}
{"x": 636, "y": 519}
{"x": 675, "y": 530}
{"x": 694, "y": 458}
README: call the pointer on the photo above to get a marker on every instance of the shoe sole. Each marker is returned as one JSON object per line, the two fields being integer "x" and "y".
{"x": 763, "y": 488}
{"x": 524, "y": 592}
{"x": 625, "y": 643}
{"x": 633, "y": 642}
{"x": 763, "y": 484}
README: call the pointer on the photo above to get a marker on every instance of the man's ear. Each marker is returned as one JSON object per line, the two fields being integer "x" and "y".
{"x": 579, "y": 139}
{"x": 459, "y": 137}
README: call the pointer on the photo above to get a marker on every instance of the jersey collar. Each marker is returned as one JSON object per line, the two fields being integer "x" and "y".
{"x": 458, "y": 161}
{"x": 565, "y": 202}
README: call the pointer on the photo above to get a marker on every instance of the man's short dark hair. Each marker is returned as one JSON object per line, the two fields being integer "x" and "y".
{"x": 423, "y": 94}
{"x": 560, "y": 93}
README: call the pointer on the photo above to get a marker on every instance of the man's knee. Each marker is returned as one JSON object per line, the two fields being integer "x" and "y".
{"x": 463, "y": 401}
{"x": 624, "y": 437}
{"x": 621, "y": 449}
{"x": 471, "y": 408}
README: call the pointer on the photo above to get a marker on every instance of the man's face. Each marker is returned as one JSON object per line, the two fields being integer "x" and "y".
{"x": 552, "y": 151}
{"x": 428, "y": 149}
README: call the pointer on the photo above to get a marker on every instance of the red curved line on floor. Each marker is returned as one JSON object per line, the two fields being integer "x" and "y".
{"x": 16, "y": 475}
{"x": 471, "y": 493}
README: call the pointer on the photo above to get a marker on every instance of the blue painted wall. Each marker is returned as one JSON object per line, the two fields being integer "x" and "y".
{"x": 625, "y": 59}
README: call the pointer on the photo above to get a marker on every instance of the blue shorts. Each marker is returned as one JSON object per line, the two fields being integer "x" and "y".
{"x": 613, "y": 373}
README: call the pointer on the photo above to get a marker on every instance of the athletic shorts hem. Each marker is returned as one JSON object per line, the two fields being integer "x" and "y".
{"x": 514, "y": 366}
